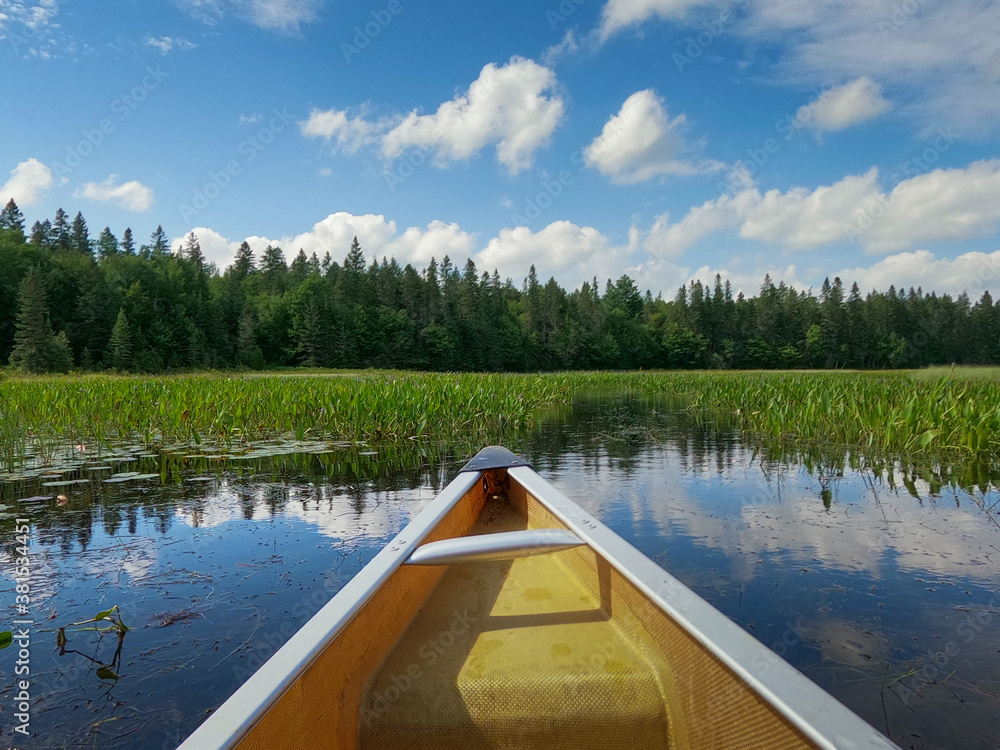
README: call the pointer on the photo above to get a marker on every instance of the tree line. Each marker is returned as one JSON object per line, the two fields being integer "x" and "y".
{"x": 69, "y": 301}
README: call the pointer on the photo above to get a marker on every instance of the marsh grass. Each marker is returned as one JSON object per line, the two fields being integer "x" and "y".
{"x": 58, "y": 420}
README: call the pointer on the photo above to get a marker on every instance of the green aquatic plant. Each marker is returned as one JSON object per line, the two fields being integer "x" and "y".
{"x": 113, "y": 616}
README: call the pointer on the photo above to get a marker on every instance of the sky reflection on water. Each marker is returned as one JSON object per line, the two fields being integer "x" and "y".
{"x": 887, "y": 600}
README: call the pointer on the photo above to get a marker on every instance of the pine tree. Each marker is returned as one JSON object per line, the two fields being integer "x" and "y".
{"x": 107, "y": 244}
{"x": 11, "y": 218}
{"x": 120, "y": 349}
{"x": 36, "y": 349}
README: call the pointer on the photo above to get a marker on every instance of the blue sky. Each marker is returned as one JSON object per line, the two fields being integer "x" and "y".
{"x": 666, "y": 139}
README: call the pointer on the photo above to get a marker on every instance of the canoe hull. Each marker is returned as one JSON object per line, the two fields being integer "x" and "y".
{"x": 592, "y": 646}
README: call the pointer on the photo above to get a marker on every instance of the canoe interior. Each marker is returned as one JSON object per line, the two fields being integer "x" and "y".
{"x": 553, "y": 651}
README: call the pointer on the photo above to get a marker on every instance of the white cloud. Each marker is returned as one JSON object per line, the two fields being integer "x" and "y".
{"x": 566, "y": 46}
{"x": 571, "y": 253}
{"x": 641, "y": 142}
{"x": 939, "y": 205}
{"x": 132, "y": 195}
{"x": 939, "y": 56}
{"x": 216, "y": 248}
{"x": 971, "y": 272}
{"x": 350, "y": 134}
{"x": 167, "y": 43}
{"x": 666, "y": 240}
{"x": 621, "y": 14}
{"x": 378, "y": 237}
{"x": 285, "y": 16}
{"x": 842, "y": 106}
{"x": 26, "y": 182}
{"x": 513, "y": 106}
{"x": 31, "y": 16}
{"x": 801, "y": 219}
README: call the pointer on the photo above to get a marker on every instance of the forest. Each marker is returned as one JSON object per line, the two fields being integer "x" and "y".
{"x": 69, "y": 301}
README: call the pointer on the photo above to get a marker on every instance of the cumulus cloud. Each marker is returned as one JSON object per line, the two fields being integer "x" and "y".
{"x": 132, "y": 195}
{"x": 349, "y": 133}
{"x": 842, "y": 106}
{"x": 939, "y": 205}
{"x": 513, "y": 106}
{"x": 571, "y": 253}
{"x": 641, "y": 142}
{"x": 214, "y": 247}
{"x": 27, "y": 181}
{"x": 284, "y": 16}
{"x": 940, "y": 57}
{"x": 971, "y": 272}
{"x": 378, "y": 237}
{"x": 167, "y": 43}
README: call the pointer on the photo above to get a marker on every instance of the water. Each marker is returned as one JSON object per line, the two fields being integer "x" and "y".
{"x": 880, "y": 588}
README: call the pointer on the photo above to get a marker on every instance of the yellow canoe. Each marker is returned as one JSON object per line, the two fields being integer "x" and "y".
{"x": 505, "y": 616}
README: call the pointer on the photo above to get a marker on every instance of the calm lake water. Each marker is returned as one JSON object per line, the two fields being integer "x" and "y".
{"x": 879, "y": 586}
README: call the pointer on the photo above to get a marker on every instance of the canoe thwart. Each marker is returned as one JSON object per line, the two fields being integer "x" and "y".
{"x": 494, "y": 457}
{"x": 505, "y": 545}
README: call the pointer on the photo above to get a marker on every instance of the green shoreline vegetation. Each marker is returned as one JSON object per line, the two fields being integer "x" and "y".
{"x": 69, "y": 302}
{"x": 879, "y": 413}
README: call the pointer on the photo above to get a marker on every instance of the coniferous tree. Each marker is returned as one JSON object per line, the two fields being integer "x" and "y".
{"x": 120, "y": 349}
{"x": 158, "y": 244}
{"x": 11, "y": 218}
{"x": 248, "y": 352}
{"x": 41, "y": 231}
{"x": 79, "y": 236}
{"x": 243, "y": 265}
{"x": 36, "y": 349}
{"x": 192, "y": 251}
{"x": 59, "y": 236}
{"x": 128, "y": 243}
{"x": 107, "y": 244}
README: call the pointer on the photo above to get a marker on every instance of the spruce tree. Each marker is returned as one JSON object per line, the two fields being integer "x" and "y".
{"x": 40, "y": 232}
{"x": 128, "y": 243}
{"x": 243, "y": 265}
{"x": 79, "y": 235}
{"x": 120, "y": 351}
{"x": 192, "y": 250}
{"x": 59, "y": 233}
{"x": 12, "y": 218}
{"x": 35, "y": 347}
{"x": 107, "y": 244}
{"x": 158, "y": 243}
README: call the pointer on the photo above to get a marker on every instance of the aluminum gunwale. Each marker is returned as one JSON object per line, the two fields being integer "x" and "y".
{"x": 233, "y": 719}
{"x": 504, "y": 545}
{"x": 818, "y": 715}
